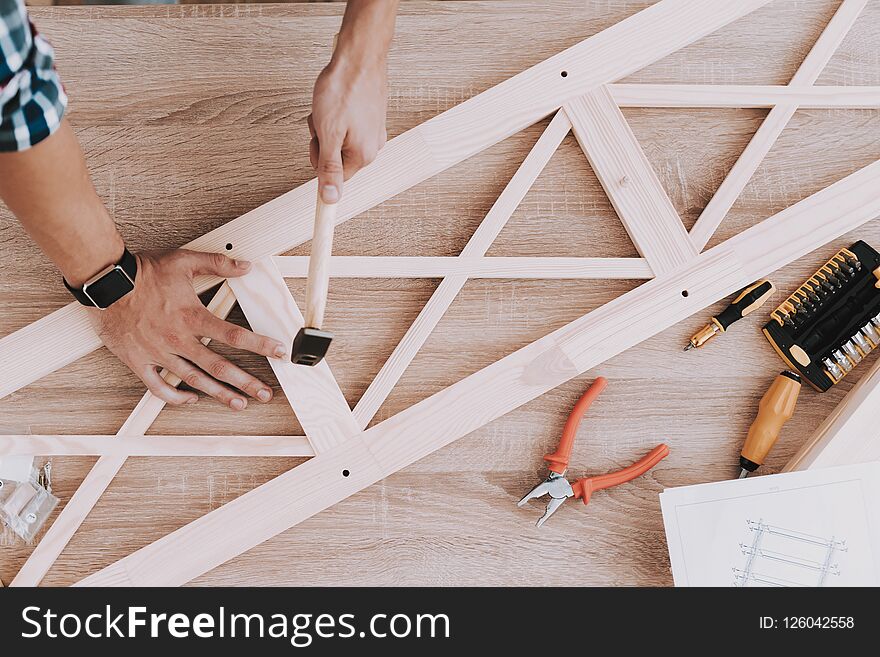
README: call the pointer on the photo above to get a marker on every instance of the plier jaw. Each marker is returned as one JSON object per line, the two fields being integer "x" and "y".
{"x": 559, "y": 490}
{"x": 558, "y": 487}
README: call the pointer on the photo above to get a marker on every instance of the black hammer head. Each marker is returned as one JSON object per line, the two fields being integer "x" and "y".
{"x": 309, "y": 346}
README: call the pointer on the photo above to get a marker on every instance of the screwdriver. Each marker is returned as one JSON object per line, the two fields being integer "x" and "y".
{"x": 747, "y": 300}
{"x": 774, "y": 410}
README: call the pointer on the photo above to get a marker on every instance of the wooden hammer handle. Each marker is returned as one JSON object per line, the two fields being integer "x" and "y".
{"x": 319, "y": 263}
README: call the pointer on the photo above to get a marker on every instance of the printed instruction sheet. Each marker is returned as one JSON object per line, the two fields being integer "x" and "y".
{"x": 812, "y": 528}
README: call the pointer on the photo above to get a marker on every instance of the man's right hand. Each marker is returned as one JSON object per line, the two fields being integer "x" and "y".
{"x": 161, "y": 322}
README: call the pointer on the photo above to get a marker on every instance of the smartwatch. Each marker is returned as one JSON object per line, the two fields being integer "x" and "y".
{"x": 109, "y": 285}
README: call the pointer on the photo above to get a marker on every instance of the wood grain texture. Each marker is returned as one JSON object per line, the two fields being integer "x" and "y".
{"x": 180, "y": 141}
{"x": 424, "y": 151}
{"x": 807, "y": 74}
{"x": 477, "y": 246}
{"x": 497, "y": 389}
{"x": 634, "y": 189}
{"x": 470, "y": 267}
{"x": 704, "y": 95}
{"x": 105, "y": 469}
{"x": 126, "y": 446}
{"x": 312, "y": 392}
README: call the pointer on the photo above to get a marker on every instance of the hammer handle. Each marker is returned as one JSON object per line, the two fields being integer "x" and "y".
{"x": 319, "y": 263}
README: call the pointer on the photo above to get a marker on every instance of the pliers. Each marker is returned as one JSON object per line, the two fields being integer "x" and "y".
{"x": 557, "y": 486}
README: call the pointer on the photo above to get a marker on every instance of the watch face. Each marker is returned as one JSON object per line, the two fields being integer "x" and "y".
{"x": 111, "y": 287}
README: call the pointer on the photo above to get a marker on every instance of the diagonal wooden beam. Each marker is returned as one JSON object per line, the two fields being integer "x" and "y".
{"x": 134, "y": 445}
{"x": 631, "y": 184}
{"x": 739, "y": 96}
{"x": 102, "y": 473}
{"x": 312, "y": 392}
{"x": 501, "y": 387}
{"x": 418, "y": 154}
{"x": 470, "y": 267}
{"x": 506, "y": 203}
{"x": 773, "y": 125}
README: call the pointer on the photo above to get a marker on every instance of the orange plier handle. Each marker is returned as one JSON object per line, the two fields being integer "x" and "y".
{"x": 558, "y": 460}
{"x": 583, "y": 488}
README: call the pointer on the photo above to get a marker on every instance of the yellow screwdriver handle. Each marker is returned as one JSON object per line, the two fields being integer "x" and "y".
{"x": 775, "y": 409}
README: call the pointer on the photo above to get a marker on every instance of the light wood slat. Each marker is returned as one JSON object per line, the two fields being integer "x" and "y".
{"x": 449, "y": 287}
{"x": 773, "y": 125}
{"x": 312, "y": 392}
{"x": 317, "y": 483}
{"x": 410, "y": 158}
{"x": 851, "y": 434}
{"x": 470, "y": 267}
{"x": 135, "y": 445}
{"x": 500, "y": 387}
{"x": 102, "y": 473}
{"x": 744, "y": 96}
{"x": 632, "y": 185}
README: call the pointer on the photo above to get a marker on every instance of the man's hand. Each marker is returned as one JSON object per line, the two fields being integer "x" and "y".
{"x": 349, "y": 102}
{"x": 347, "y": 123}
{"x": 161, "y": 322}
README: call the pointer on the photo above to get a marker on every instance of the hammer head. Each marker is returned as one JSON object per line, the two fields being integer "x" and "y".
{"x": 309, "y": 346}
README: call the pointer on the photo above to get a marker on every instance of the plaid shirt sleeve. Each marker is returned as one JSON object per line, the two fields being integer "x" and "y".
{"x": 32, "y": 100}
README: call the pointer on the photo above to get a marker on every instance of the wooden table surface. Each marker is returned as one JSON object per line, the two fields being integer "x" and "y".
{"x": 190, "y": 116}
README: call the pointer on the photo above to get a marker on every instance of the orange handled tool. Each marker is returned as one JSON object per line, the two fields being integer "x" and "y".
{"x": 775, "y": 409}
{"x": 558, "y": 460}
{"x": 558, "y": 487}
{"x": 585, "y": 487}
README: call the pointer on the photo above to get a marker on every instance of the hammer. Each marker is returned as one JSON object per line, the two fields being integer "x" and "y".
{"x": 311, "y": 343}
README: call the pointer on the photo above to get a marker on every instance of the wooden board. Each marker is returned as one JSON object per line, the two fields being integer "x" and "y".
{"x": 454, "y": 412}
{"x": 850, "y": 433}
{"x": 483, "y": 474}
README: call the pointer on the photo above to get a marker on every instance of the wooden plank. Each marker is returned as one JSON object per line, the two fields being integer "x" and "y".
{"x": 851, "y": 434}
{"x": 130, "y": 142}
{"x": 500, "y": 387}
{"x": 744, "y": 96}
{"x": 449, "y": 287}
{"x": 744, "y": 168}
{"x": 135, "y": 445}
{"x": 319, "y": 482}
{"x": 627, "y": 177}
{"x": 410, "y": 158}
{"x": 99, "y": 477}
{"x": 470, "y": 267}
{"x": 312, "y": 392}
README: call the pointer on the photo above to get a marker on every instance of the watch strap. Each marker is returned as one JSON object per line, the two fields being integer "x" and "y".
{"x": 128, "y": 264}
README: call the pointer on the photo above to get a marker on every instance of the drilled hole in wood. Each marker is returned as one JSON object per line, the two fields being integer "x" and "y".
{"x": 564, "y": 74}
{"x": 684, "y": 293}
{"x": 345, "y": 473}
{"x": 229, "y": 246}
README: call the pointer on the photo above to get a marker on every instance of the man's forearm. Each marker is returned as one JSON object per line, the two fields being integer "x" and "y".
{"x": 48, "y": 188}
{"x": 366, "y": 32}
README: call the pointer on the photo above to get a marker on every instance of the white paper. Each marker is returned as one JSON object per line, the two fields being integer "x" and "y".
{"x": 16, "y": 468}
{"x": 812, "y": 528}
